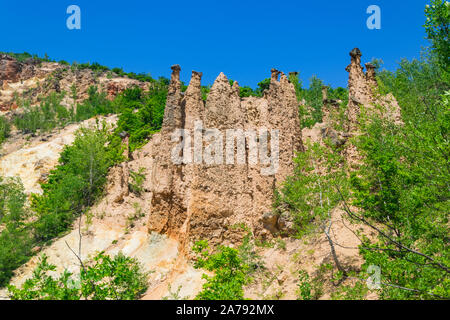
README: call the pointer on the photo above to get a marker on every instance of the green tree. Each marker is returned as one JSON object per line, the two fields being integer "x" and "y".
{"x": 16, "y": 237}
{"x": 437, "y": 24}
{"x": 5, "y": 129}
{"x": 75, "y": 184}
{"x": 118, "y": 278}
{"x": 230, "y": 272}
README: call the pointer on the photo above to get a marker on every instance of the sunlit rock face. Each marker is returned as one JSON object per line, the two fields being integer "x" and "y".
{"x": 194, "y": 200}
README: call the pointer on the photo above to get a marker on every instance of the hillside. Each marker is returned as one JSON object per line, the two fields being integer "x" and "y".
{"x": 221, "y": 191}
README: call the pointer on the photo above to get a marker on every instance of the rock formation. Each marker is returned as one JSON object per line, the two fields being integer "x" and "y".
{"x": 9, "y": 69}
{"x": 30, "y": 79}
{"x": 362, "y": 91}
{"x": 193, "y": 198}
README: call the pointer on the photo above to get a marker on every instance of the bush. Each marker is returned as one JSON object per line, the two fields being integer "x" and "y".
{"x": 16, "y": 238}
{"x": 5, "y": 129}
{"x": 95, "y": 104}
{"x": 141, "y": 114}
{"x": 230, "y": 273}
{"x": 48, "y": 115}
{"x": 118, "y": 278}
{"x": 137, "y": 181}
{"x": 75, "y": 184}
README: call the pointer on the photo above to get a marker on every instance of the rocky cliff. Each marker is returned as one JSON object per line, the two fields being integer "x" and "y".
{"x": 199, "y": 185}
{"x": 199, "y": 200}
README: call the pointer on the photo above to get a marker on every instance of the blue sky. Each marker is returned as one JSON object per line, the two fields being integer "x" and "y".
{"x": 243, "y": 39}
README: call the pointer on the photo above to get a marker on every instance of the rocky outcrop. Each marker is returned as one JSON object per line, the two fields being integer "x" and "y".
{"x": 32, "y": 79}
{"x": 9, "y": 69}
{"x": 362, "y": 89}
{"x": 223, "y": 175}
{"x": 359, "y": 92}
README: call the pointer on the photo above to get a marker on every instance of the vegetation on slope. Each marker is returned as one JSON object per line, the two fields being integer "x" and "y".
{"x": 401, "y": 190}
{"x": 118, "y": 278}
{"x": 78, "y": 181}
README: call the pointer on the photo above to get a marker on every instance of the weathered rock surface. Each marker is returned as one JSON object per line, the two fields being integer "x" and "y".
{"x": 362, "y": 89}
{"x": 197, "y": 200}
{"x": 31, "y": 79}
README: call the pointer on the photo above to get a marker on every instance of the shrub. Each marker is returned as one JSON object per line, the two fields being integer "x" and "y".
{"x": 75, "y": 184}
{"x": 48, "y": 115}
{"x": 5, "y": 129}
{"x": 16, "y": 238}
{"x": 137, "y": 180}
{"x": 95, "y": 104}
{"x": 118, "y": 278}
{"x": 230, "y": 273}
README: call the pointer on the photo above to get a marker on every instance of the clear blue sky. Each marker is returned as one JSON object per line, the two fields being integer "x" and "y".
{"x": 244, "y": 39}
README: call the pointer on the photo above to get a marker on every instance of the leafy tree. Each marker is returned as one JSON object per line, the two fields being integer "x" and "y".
{"x": 403, "y": 189}
{"x": 309, "y": 194}
{"x": 12, "y": 200}
{"x": 141, "y": 114}
{"x": 16, "y": 237}
{"x": 297, "y": 82}
{"x": 263, "y": 85}
{"x": 246, "y": 92}
{"x": 313, "y": 99}
{"x": 95, "y": 104}
{"x": 230, "y": 272}
{"x": 75, "y": 184}
{"x": 437, "y": 29}
{"x": 48, "y": 115}
{"x": 118, "y": 278}
{"x": 44, "y": 287}
{"x": 5, "y": 129}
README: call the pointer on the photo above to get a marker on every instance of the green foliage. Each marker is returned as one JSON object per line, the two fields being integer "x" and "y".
{"x": 230, "y": 272}
{"x": 262, "y": 86}
{"x": 417, "y": 85}
{"x": 351, "y": 292}
{"x": 141, "y": 115}
{"x": 25, "y": 56}
{"x": 248, "y": 254}
{"x": 246, "y": 92}
{"x": 15, "y": 238}
{"x": 312, "y": 287}
{"x": 5, "y": 129}
{"x": 12, "y": 201}
{"x": 437, "y": 29}
{"x": 297, "y": 82}
{"x": 95, "y": 104}
{"x": 137, "y": 181}
{"x": 174, "y": 295}
{"x": 118, "y": 278}
{"x": 313, "y": 99}
{"x": 75, "y": 183}
{"x": 43, "y": 287}
{"x": 304, "y": 286}
{"x": 48, "y": 115}
{"x": 78, "y": 180}
{"x": 403, "y": 186}
{"x": 309, "y": 195}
